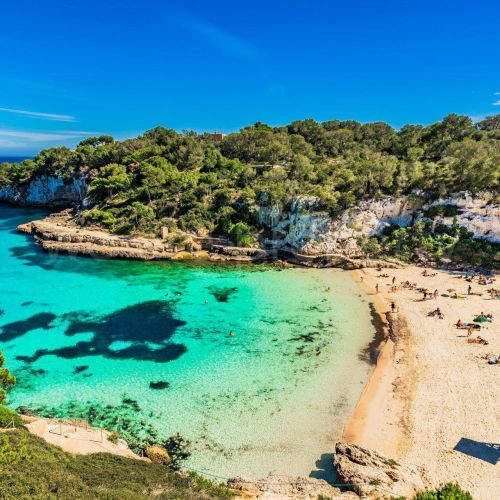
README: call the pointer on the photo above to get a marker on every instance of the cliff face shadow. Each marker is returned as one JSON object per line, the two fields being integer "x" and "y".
{"x": 324, "y": 469}
{"x": 141, "y": 332}
{"x": 488, "y": 452}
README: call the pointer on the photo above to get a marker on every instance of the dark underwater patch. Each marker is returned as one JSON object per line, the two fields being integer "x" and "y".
{"x": 16, "y": 329}
{"x": 222, "y": 294}
{"x": 161, "y": 384}
{"x": 79, "y": 369}
{"x": 27, "y": 303}
{"x": 304, "y": 337}
{"x": 26, "y": 377}
{"x": 149, "y": 322}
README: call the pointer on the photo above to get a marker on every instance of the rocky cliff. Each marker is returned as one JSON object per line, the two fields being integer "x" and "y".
{"x": 46, "y": 192}
{"x": 305, "y": 231}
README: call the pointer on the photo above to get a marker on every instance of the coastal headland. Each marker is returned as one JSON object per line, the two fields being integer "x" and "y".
{"x": 59, "y": 232}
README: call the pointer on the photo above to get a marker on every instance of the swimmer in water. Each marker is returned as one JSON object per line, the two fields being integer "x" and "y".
{"x": 231, "y": 334}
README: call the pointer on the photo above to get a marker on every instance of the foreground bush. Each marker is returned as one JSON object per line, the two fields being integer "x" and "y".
{"x": 9, "y": 418}
{"x": 43, "y": 471}
{"x": 449, "y": 491}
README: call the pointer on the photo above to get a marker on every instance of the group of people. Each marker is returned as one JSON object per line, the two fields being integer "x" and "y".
{"x": 481, "y": 279}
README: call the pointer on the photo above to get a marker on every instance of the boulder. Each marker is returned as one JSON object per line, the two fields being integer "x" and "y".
{"x": 158, "y": 455}
{"x": 367, "y": 472}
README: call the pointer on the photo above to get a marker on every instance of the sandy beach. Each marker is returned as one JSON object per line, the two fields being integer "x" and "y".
{"x": 432, "y": 400}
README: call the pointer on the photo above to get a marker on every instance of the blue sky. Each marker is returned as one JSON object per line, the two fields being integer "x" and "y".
{"x": 73, "y": 68}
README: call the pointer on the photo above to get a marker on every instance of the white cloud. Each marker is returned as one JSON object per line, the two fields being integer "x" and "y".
{"x": 216, "y": 36}
{"x": 35, "y": 114}
{"x": 496, "y": 103}
{"x": 43, "y": 136}
{"x": 8, "y": 144}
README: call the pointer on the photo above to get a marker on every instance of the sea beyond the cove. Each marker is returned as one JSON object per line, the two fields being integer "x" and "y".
{"x": 150, "y": 343}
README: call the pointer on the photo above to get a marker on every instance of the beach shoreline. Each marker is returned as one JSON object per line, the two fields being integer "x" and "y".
{"x": 415, "y": 410}
{"x": 363, "y": 426}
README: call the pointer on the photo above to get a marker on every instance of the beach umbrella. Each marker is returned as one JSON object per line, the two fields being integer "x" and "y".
{"x": 480, "y": 319}
{"x": 450, "y": 290}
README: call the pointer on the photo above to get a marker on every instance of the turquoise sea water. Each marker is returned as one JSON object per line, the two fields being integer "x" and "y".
{"x": 80, "y": 332}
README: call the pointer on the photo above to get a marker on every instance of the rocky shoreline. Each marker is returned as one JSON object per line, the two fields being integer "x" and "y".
{"x": 361, "y": 473}
{"x": 60, "y": 232}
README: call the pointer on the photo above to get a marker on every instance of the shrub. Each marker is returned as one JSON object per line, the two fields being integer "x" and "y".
{"x": 13, "y": 453}
{"x": 38, "y": 470}
{"x": 114, "y": 437}
{"x": 449, "y": 491}
{"x": 9, "y": 418}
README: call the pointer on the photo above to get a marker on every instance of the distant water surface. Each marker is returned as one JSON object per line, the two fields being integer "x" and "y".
{"x": 81, "y": 334}
{"x": 13, "y": 159}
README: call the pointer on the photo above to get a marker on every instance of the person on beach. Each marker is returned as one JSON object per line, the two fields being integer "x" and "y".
{"x": 393, "y": 280}
{"x": 435, "y": 293}
{"x": 469, "y": 290}
{"x": 393, "y": 307}
{"x": 376, "y": 287}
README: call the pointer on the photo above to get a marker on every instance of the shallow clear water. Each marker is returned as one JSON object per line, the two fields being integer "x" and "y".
{"x": 79, "y": 332}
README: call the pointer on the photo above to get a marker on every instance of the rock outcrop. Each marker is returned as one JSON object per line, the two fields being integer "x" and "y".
{"x": 287, "y": 487}
{"x": 61, "y": 233}
{"x": 477, "y": 215}
{"x": 46, "y": 192}
{"x": 369, "y": 473}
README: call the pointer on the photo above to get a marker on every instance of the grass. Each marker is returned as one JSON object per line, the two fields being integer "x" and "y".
{"x": 32, "y": 469}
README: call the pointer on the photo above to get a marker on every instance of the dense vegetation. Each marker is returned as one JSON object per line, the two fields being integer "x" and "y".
{"x": 30, "y": 468}
{"x": 195, "y": 183}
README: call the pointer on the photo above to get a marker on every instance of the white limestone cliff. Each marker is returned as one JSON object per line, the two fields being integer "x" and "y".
{"x": 307, "y": 231}
{"x": 46, "y": 191}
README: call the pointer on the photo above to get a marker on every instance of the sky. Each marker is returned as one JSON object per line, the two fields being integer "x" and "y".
{"x": 70, "y": 69}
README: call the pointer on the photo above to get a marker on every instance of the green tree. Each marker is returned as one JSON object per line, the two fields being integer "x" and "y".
{"x": 7, "y": 380}
{"x": 96, "y": 141}
{"x": 141, "y": 214}
{"x": 240, "y": 233}
{"x": 111, "y": 178}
